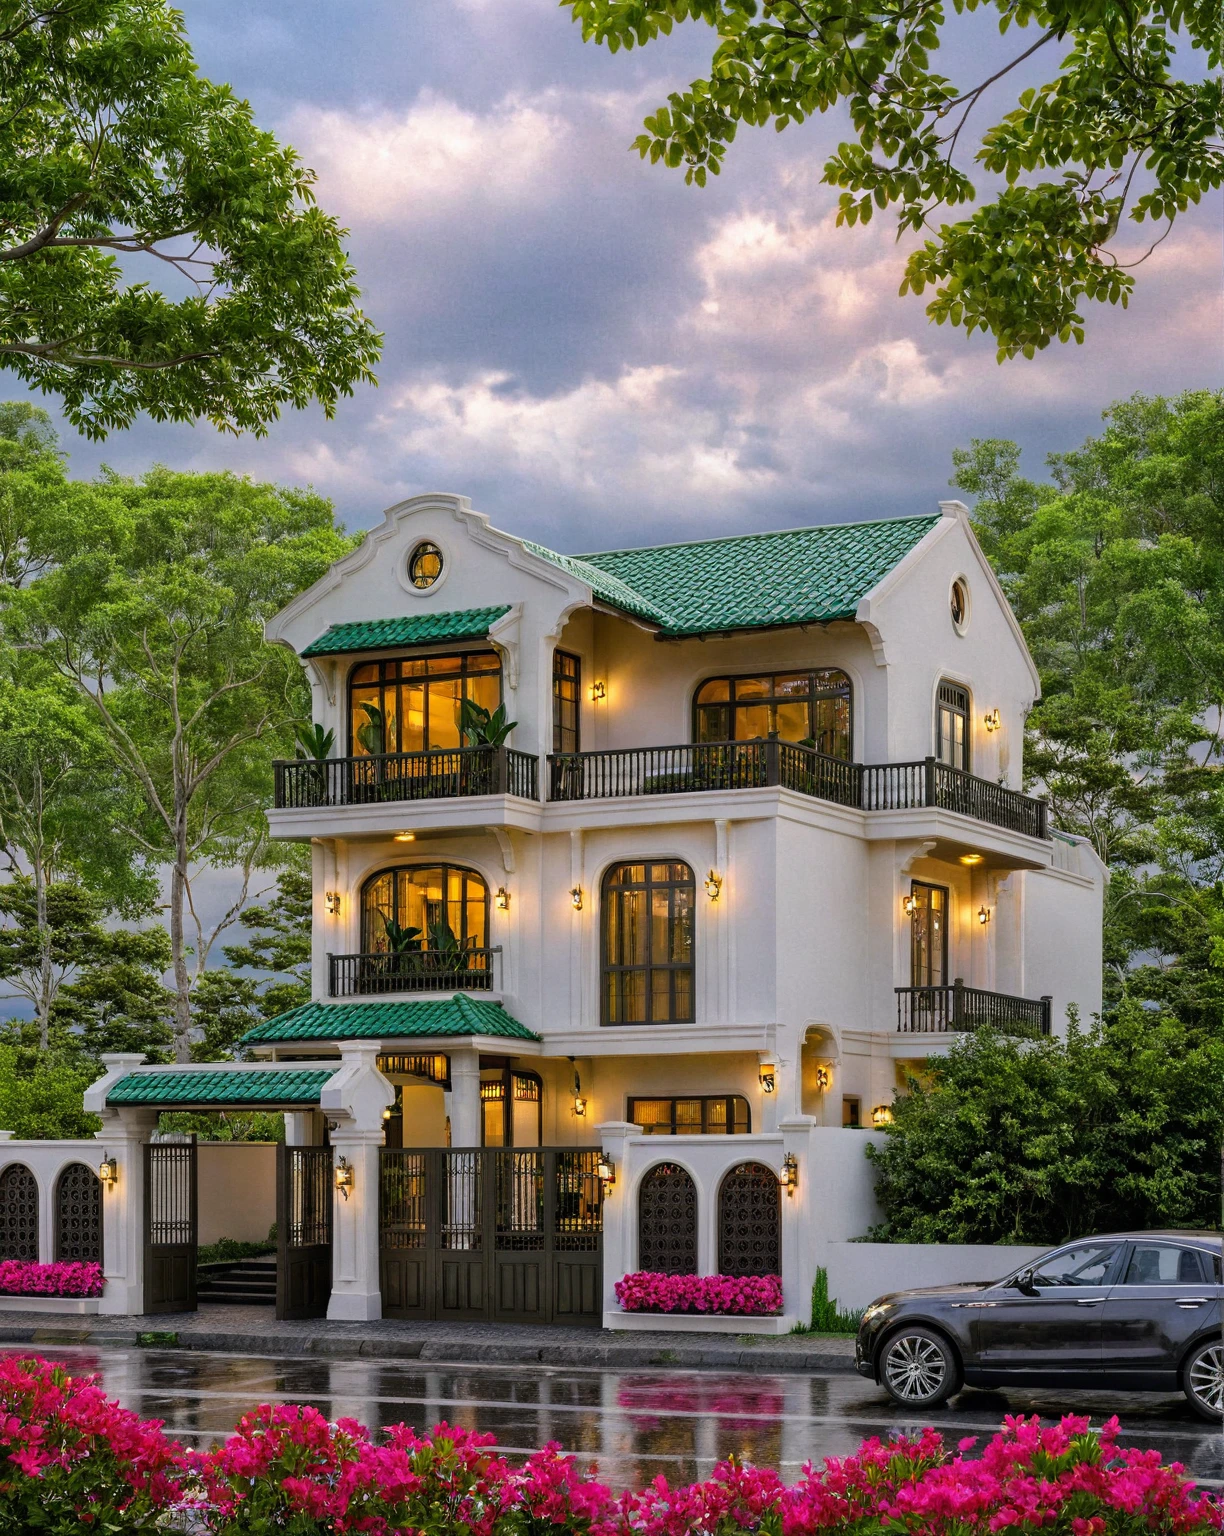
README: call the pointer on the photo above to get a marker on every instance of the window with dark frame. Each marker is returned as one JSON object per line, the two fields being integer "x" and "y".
{"x": 413, "y": 704}
{"x": 700, "y": 1115}
{"x": 567, "y": 696}
{"x": 851, "y": 1113}
{"x": 928, "y": 935}
{"x": 512, "y": 1109}
{"x": 647, "y": 923}
{"x": 808, "y": 706}
{"x": 433, "y": 898}
{"x": 952, "y": 726}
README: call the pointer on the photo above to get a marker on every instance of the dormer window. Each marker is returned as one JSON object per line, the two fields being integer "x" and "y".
{"x": 811, "y": 707}
{"x": 413, "y": 704}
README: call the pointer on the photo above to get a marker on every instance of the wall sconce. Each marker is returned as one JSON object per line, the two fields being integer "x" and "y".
{"x": 909, "y": 905}
{"x": 824, "y": 1079}
{"x": 108, "y": 1172}
{"x": 767, "y": 1078}
{"x": 713, "y": 884}
{"x": 331, "y": 901}
{"x": 386, "y": 1114}
{"x": 598, "y": 692}
{"x": 606, "y": 1169}
{"x": 983, "y": 915}
{"x": 501, "y": 899}
{"x": 992, "y": 721}
{"x": 576, "y": 898}
{"x": 788, "y": 1174}
{"x": 580, "y": 1105}
{"x": 405, "y": 837}
{"x": 882, "y": 1115}
{"x": 344, "y": 1176}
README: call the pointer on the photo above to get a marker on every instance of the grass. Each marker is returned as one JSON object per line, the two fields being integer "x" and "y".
{"x": 827, "y": 1316}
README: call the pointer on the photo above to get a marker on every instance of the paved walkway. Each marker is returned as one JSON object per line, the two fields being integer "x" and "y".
{"x": 254, "y": 1331}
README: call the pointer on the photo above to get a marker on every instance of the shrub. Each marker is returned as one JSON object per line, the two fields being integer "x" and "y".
{"x": 19, "y": 1278}
{"x": 827, "y": 1316}
{"x": 733, "y": 1295}
{"x": 231, "y": 1249}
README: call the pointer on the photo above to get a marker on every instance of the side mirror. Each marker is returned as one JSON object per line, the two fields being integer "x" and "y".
{"x": 1024, "y": 1283}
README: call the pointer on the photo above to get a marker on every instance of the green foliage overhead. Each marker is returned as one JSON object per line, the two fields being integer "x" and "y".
{"x": 40, "y": 1099}
{"x": 159, "y": 252}
{"x": 1123, "y": 133}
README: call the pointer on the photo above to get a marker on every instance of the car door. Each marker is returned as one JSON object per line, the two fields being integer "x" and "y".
{"x": 1050, "y": 1329}
{"x": 1161, "y": 1300}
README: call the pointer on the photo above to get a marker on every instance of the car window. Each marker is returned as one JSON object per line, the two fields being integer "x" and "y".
{"x": 1086, "y": 1264}
{"x": 1163, "y": 1264}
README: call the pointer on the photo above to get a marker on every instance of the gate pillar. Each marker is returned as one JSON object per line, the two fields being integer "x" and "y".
{"x": 353, "y": 1102}
{"x": 123, "y": 1203}
{"x": 464, "y": 1107}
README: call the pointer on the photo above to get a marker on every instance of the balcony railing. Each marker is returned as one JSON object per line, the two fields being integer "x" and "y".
{"x": 422, "y": 970}
{"x": 940, "y": 1010}
{"x": 449, "y": 774}
{"x": 746, "y": 764}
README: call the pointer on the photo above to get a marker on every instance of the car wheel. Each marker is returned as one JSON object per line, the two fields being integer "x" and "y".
{"x": 919, "y": 1368}
{"x": 1203, "y": 1379}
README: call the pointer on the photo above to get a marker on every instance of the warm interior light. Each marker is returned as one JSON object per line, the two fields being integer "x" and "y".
{"x": 331, "y": 901}
{"x": 598, "y": 691}
{"x": 881, "y": 1115}
{"x": 824, "y": 1079}
{"x": 983, "y": 915}
{"x": 971, "y": 858}
{"x": 576, "y": 898}
{"x": 501, "y": 899}
{"x": 405, "y": 837}
{"x": 344, "y": 1177}
{"x": 713, "y": 884}
{"x": 992, "y": 721}
{"x": 788, "y": 1174}
{"x": 108, "y": 1171}
{"x": 766, "y": 1077}
{"x": 606, "y": 1169}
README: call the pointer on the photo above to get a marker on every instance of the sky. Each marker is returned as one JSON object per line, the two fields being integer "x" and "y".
{"x": 598, "y": 354}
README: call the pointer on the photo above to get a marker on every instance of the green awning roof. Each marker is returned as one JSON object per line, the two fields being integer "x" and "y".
{"x": 799, "y": 576}
{"x": 417, "y": 629}
{"x": 459, "y": 1015}
{"x": 220, "y": 1086}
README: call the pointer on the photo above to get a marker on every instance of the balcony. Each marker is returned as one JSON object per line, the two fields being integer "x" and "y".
{"x": 422, "y": 970}
{"x": 954, "y": 1009}
{"x": 747, "y": 764}
{"x": 449, "y": 774}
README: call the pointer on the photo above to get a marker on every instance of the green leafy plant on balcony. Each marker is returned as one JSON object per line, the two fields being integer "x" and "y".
{"x": 480, "y": 727}
{"x": 372, "y": 735}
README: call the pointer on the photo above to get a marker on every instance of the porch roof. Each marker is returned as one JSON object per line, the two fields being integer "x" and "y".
{"x": 220, "y": 1086}
{"x": 414, "y": 629}
{"x": 438, "y": 1018}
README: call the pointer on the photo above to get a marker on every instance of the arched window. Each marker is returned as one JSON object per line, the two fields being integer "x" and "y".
{"x": 413, "y": 704}
{"x": 78, "y": 1215}
{"x": 750, "y": 1221}
{"x": 18, "y": 1213}
{"x": 648, "y": 944}
{"x": 424, "y": 906}
{"x": 667, "y": 1221}
{"x": 952, "y": 725}
{"x": 810, "y": 707}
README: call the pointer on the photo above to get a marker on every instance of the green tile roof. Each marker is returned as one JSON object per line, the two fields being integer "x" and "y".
{"x": 414, "y": 629}
{"x": 459, "y": 1015}
{"x": 800, "y": 576}
{"x": 220, "y": 1086}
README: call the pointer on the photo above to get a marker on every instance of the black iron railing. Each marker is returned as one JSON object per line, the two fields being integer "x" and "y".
{"x": 422, "y": 970}
{"x": 745, "y": 764}
{"x": 938, "y": 1010}
{"x": 449, "y": 774}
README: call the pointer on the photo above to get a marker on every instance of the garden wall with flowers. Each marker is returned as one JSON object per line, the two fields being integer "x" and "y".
{"x": 734, "y": 1295}
{"x": 73, "y": 1461}
{"x": 19, "y": 1277}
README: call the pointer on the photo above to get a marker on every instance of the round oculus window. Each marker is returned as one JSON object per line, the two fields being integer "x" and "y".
{"x": 424, "y": 565}
{"x": 959, "y": 603}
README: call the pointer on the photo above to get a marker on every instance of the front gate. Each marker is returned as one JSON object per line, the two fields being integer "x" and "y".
{"x": 501, "y": 1234}
{"x": 170, "y": 1209}
{"x": 303, "y": 1231}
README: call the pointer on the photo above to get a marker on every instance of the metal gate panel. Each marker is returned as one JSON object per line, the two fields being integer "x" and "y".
{"x": 303, "y": 1231}
{"x": 171, "y": 1218}
{"x": 404, "y": 1259}
{"x": 521, "y": 1223}
{"x": 577, "y": 1260}
{"x": 460, "y": 1283}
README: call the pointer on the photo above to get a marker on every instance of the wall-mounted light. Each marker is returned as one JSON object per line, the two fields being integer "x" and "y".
{"x": 983, "y": 915}
{"x": 992, "y": 721}
{"x": 909, "y": 905}
{"x": 824, "y": 1079}
{"x": 788, "y": 1174}
{"x": 344, "y": 1176}
{"x": 972, "y": 858}
{"x": 766, "y": 1077}
{"x": 713, "y": 884}
{"x": 501, "y": 899}
{"x": 405, "y": 837}
{"x": 882, "y": 1115}
{"x": 606, "y": 1169}
{"x": 576, "y": 898}
{"x": 386, "y": 1114}
{"x": 331, "y": 900}
{"x": 108, "y": 1172}
{"x": 580, "y": 1105}
{"x": 598, "y": 691}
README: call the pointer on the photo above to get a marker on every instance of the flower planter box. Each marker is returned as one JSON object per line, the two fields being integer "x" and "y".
{"x": 695, "y": 1322}
{"x": 72, "y": 1305}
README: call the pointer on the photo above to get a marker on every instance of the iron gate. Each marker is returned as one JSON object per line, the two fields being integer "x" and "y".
{"x": 170, "y": 1226}
{"x": 303, "y": 1231}
{"x": 502, "y": 1234}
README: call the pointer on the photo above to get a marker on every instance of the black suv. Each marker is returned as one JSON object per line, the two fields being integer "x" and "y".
{"x": 1138, "y": 1311}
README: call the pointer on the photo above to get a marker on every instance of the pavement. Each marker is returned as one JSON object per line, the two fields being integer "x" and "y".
{"x": 254, "y": 1331}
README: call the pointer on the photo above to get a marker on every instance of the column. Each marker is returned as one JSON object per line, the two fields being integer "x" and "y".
{"x": 123, "y": 1137}
{"x": 354, "y": 1100}
{"x": 464, "y": 1108}
{"x": 618, "y": 1257}
{"x": 800, "y": 1218}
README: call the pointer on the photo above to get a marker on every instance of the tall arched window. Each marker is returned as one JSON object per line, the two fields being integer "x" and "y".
{"x": 667, "y": 1221}
{"x": 952, "y": 725}
{"x": 424, "y": 906}
{"x": 811, "y": 707}
{"x": 413, "y": 704}
{"x": 648, "y": 944}
{"x": 750, "y": 1222}
{"x": 78, "y": 1215}
{"x": 18, "y": 1213}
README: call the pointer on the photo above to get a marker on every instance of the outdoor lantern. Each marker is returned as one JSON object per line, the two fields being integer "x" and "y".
{"x": 881, "y": 1115}
{"x": 344, "y": 1176}
{"x": 580, "y": 1104}
{"x": 909, "y": 904}
{"x": 824, "y": 1079}
{"x": 983, "y": 915}
{"x": 713, "y": 884}
{"x": 108, "y": 1172}
{"x": 992, "y": 721}
{"x": 606, "y": 1169}
{"x": 576, "y": 898}
{"x": 788, "y": 1174}
{"x": 501, "y": 899}
{"x": 332, "y": 902}
{"x": 766, "y": 1076}
{"x": 598, "y": 692}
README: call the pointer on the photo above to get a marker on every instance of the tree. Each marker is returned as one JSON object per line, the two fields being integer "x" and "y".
{"x": 41, "y": 1098}
{"x": 1128, "y": 123}
{"x": 119, "y": 160}
{"x": 152, "y": 609}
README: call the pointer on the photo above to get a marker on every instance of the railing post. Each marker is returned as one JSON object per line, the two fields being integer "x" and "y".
{"x": 958, "y": 989}
{"x": 501, "y": 770}
{"x": 771, "y": 759}
{"x": 331, "y": 974}
{"x": 928, "y": 781}
{"x": 1043, "y": 817}
{"x": 1047, "y": 1008}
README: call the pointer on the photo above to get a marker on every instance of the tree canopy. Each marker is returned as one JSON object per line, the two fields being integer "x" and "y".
{"x": 159, "y": 252}
{"x": 1123, "y": 133}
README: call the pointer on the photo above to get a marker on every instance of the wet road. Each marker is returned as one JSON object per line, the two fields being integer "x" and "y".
{"x": 632, "y": 1424}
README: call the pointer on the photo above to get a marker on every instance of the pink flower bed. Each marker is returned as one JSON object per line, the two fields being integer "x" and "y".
{"x": 737, "y": 1295}
{"x": 19, "y": 1278}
